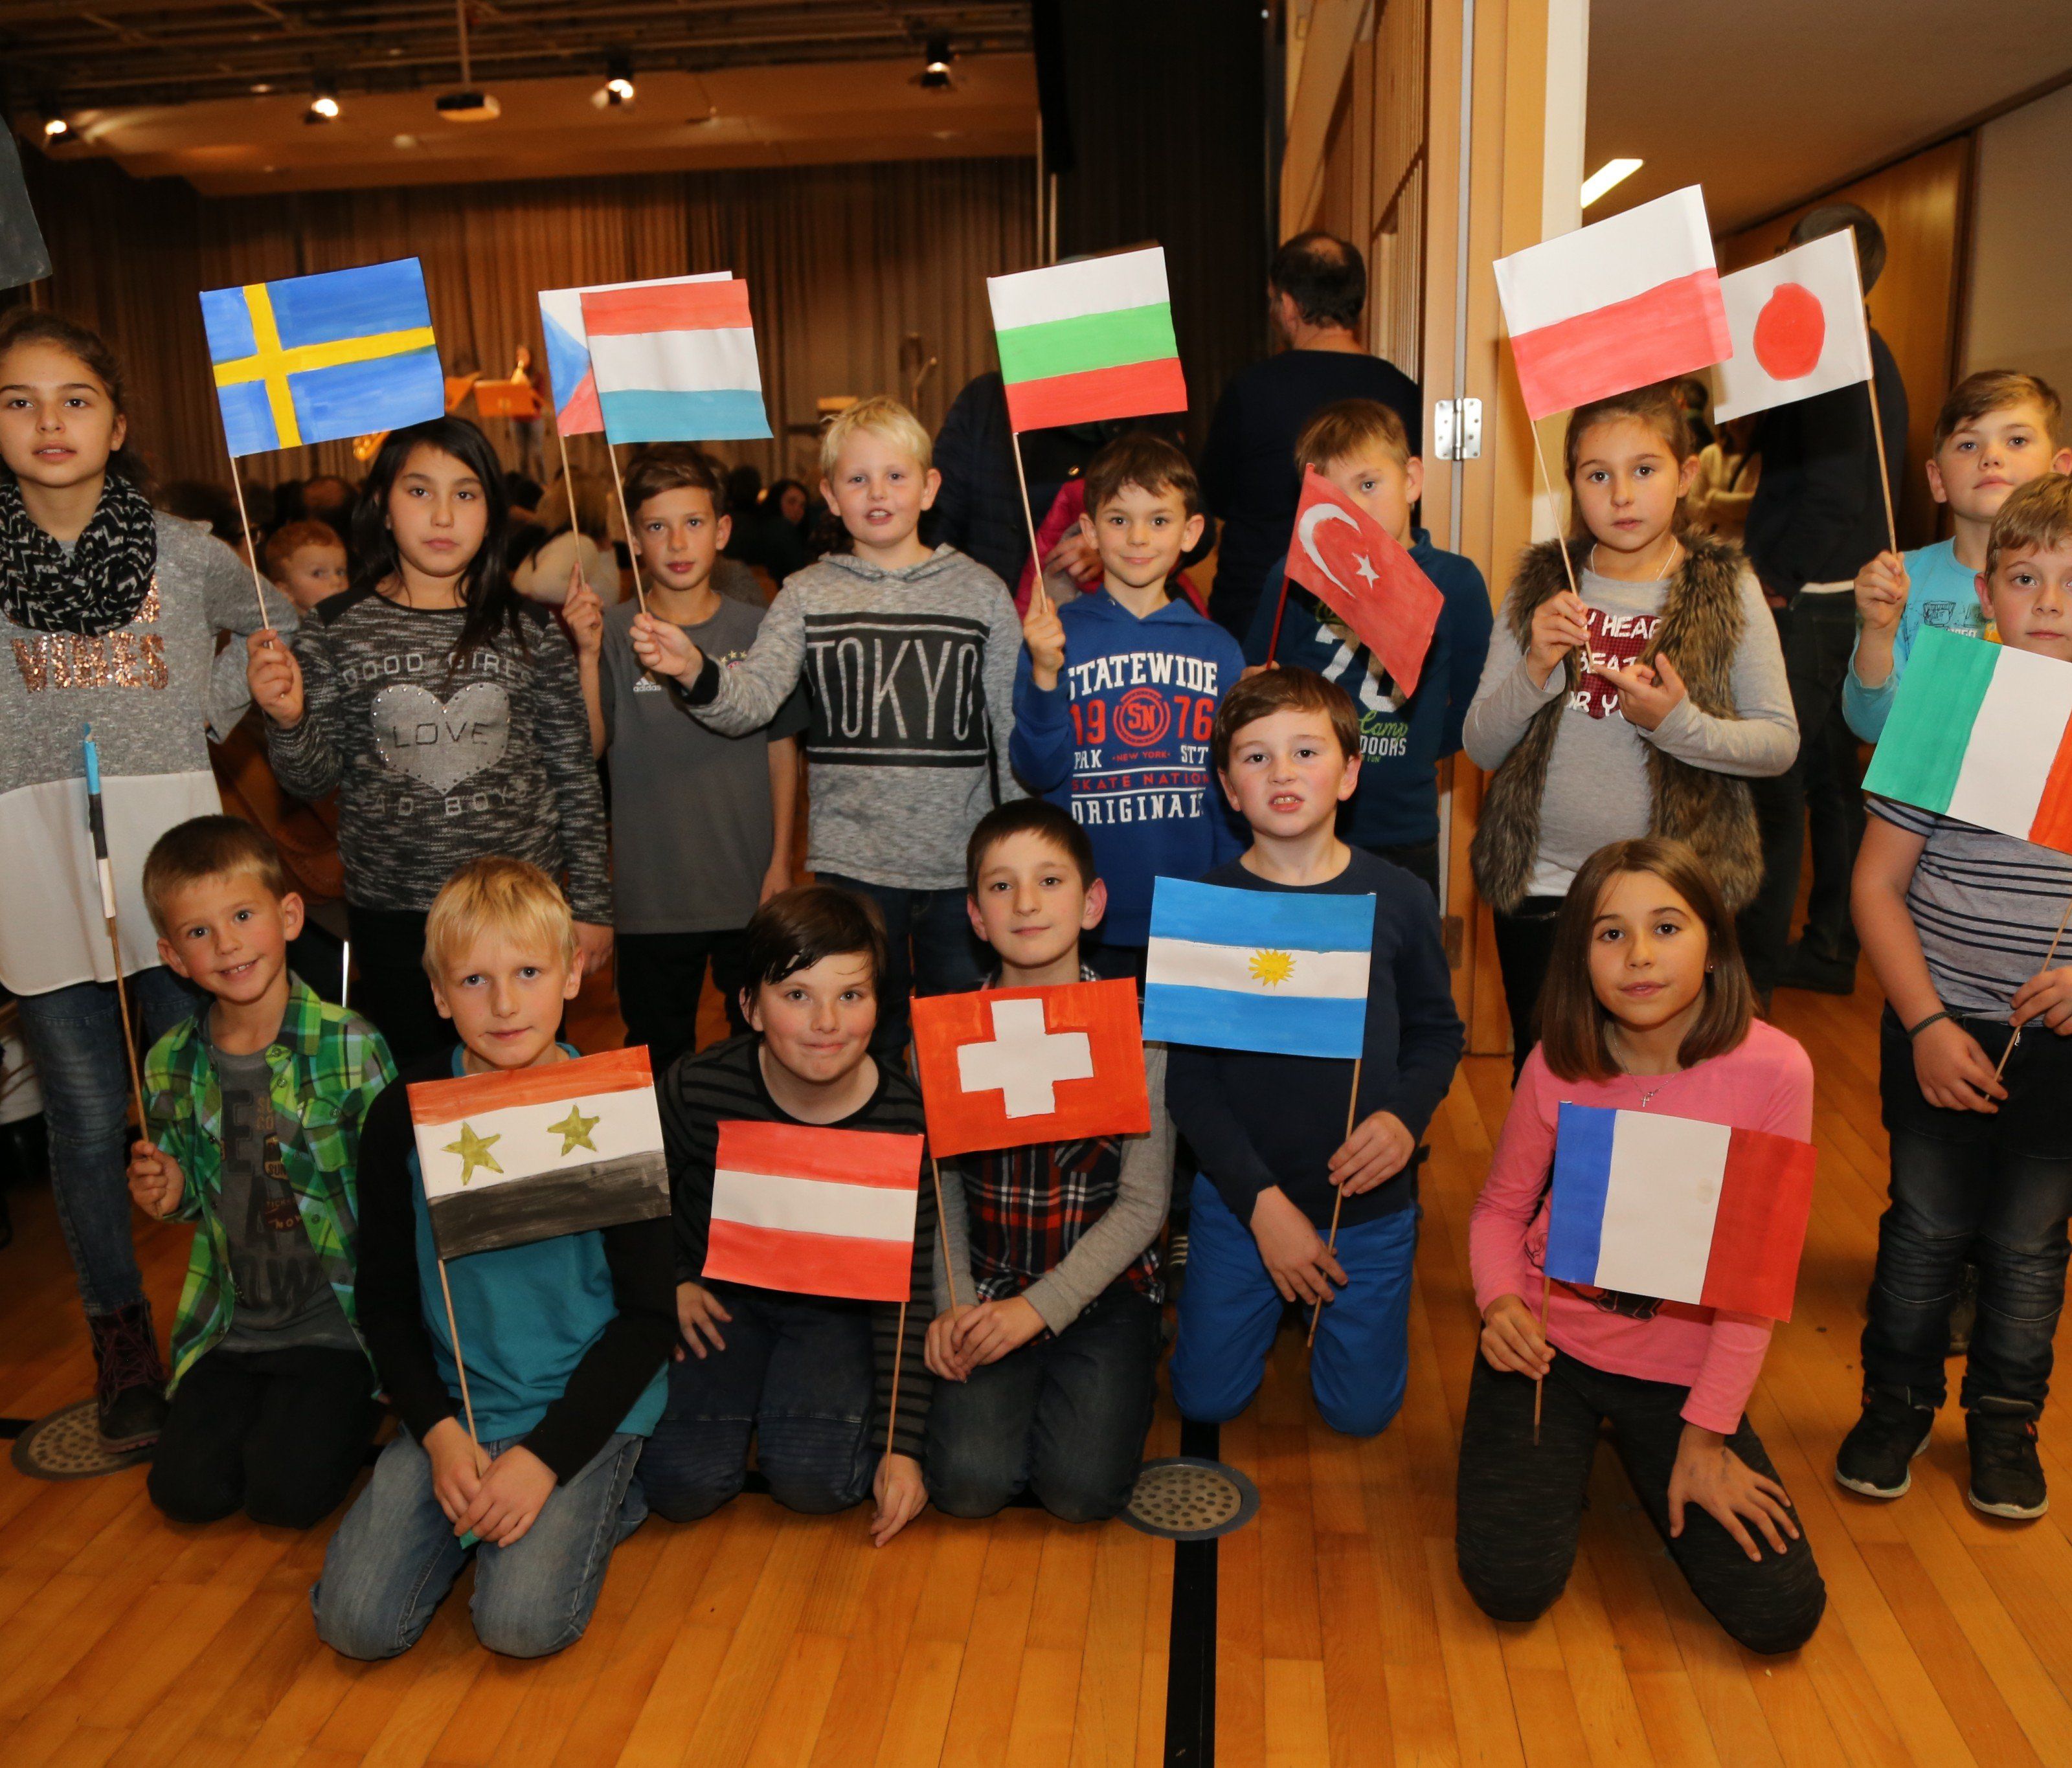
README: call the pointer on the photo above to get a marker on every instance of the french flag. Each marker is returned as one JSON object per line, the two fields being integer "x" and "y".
{"x": 1616, "y": 305}
{"x": 675, "y": 362}
{"x": 1673, "y": 1207}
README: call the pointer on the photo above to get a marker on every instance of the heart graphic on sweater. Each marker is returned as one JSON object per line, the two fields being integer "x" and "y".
{"x": 439, "y": 743}
{"x": 1617, "y": 640}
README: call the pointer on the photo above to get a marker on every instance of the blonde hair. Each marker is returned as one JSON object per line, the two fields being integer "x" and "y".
{"x": 593, "y": 508}
{"x": 2037, "y": 514}
{"x": 206, "y": 847}
{"x": 882, "y": 417}
{"x": 1340, "y": 430}
{"x": 497, "y": 894}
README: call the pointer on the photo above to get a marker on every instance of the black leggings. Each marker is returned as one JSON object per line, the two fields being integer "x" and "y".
{"x": 392, "y": 991}
{"x": 1524, "y": 947}
{"x": 1521, "y": 1506}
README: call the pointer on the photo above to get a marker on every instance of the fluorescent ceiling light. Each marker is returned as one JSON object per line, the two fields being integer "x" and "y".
{"x": 1612, "y": 172}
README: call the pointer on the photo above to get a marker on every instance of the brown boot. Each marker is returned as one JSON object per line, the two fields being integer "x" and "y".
{"x": 129, "y": 1390}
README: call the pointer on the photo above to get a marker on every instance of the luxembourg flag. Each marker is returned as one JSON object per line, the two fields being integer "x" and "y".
{"x": 818, "y": 1211}
{"x": 676, "y": 362}
{"x": 576, "y": 412}
{"x": 1258, "y": 970}
{"x": 1615, "y": 306}
{"x": 1673, "y": 1207}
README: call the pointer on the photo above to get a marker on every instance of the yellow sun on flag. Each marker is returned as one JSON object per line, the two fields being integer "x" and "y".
{"x": 1272, "y": 968}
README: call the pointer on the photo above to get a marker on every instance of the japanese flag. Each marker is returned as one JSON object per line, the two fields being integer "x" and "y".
{"x": 1358, "y": 572}
{"x": 1797, "y": 325}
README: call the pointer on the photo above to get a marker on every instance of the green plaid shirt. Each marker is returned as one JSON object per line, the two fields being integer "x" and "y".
{"x": 324, "y": 1069}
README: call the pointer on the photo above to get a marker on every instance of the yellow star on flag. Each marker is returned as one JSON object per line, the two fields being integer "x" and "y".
{"x": 474, "y": 1152}
{"x": 1272, "y": 968}
{"x": 574, "y": 1130}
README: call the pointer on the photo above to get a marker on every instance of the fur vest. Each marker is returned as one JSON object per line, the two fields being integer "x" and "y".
{"x": 1701, "y": 628}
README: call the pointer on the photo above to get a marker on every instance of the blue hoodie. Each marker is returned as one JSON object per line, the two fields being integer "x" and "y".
{"x": 1122, "y": 742}
{"x": 1401, "y": 741}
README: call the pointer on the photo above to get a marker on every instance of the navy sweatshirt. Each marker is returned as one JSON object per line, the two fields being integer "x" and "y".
{"x": 1254, "y": 1120}
{"x": 1122, "y": 742}
{"x": 1402, "y": 740}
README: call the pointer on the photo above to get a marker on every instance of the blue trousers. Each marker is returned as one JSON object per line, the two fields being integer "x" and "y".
{"x": 1229, "y": 1311}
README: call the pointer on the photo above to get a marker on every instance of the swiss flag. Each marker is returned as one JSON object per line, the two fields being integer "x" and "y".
{"x": 1007, "y": 1067}
{"x": 1361, "y": 574}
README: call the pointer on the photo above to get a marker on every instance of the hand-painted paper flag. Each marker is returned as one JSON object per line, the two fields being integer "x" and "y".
{"x": 1798, "y": 328}
{"x": 1615, "y": 305}
{"x": 23, "y": 255}
{"x": 676, "y": 362}
{"x": 1672, "y": 1208}
{"x": 1008, "y": 1067}
{"x": 1089, "y": 339}
{"x": 1983, "y": 734}
{"x": 574, "y": 387}
{"x": 527, "y": 1154}
{"x": 1257, "y": 970}
{"x": 1355, "y": 567}
{"x": 817, "y": 1211}
{"x": 316, "y": 358}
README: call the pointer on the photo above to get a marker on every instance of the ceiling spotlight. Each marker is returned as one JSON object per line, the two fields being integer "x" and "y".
{"x": 323, "y": 106}
{"x": 55, "y": 128}
{"x": 935, "y": 70}
{"x": 467, "y": 105}
{"x": 620, "y": 83}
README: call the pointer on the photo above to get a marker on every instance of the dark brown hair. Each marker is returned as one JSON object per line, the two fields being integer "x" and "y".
{"x": 1284, "y": 688}
{"x": 1149, "y": 462}
{"x": 204, "y": 847}
{"x": 1995, "y": 389}
{"x": 1657, "y": 406}
{"x": 27, "y": 325}
{"x": 796, "y": 929}
{"x": 673, "y": 466}
{"x": 285, "y": 543}
{"x": 1346, "y": 426}
{"x": 1572, "y": 1019}
{"x": 1324, "y": 275}
{"x": 1028, "y": 817}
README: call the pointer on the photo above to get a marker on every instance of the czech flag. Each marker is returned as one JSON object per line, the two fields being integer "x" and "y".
{"x": 816, "y": 1211}
{"x": 1088, "y": 340}
{"x": 1798, "y": 328}
{"x": 568, "y": 375}
{"x": 1672, "y": 1208}
{"x": 676, "y": 362}
{"x": 1355, "y": 567}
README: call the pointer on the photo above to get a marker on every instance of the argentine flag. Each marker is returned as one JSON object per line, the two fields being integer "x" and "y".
{"x": 1284, "y": 973}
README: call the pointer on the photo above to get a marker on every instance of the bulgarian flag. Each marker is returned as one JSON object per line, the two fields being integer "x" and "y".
{"x": 1087, "y": 341}
{"x": 1983, "y": 734}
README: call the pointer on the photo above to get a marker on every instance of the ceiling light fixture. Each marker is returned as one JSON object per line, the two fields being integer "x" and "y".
{"x": 935, "y": 70}
{"x": 323, "y": 106}
{"x": 467, "y": 105}
{"x": 55, "y": 128}
{"x": 1612, "y": 172}
{"x": 618, "y": 87}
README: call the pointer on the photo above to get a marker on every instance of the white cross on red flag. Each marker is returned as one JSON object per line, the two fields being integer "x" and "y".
{"x": 1008, "y": 1067}
{"x": 1356, "y": 568}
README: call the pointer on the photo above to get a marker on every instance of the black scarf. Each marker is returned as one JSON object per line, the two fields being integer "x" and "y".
{"x": 100, "y": 587}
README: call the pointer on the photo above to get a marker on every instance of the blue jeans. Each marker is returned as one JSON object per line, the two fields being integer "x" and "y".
{"x": 1997, "y": 1189}
{"x": 1229, "y": 1311}
{"x": 1064, "y": 1418}
{"x": 945, "y": 957}
{"x": 395, "y": 1556}
{"x": 75, "y": 1035}
{"x": 797, "y": 1374}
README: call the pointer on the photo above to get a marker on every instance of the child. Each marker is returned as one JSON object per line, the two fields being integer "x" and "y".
{"x": 446, "y": 712}
{"x": 811, "y": 1377}
{"x": 305, "y": 562}
{"x": 1996, "y": 431}
{"x": 704, "y": 822}
{"x": 1117, "y": 694}
{"x": 1361, "y": 446}
{"x": 1269, "y": 1129}
{"x": 1637, "y": 707}
{"x": 1050, "y": 1357}
{"x": 256, "y": 1108}
{"x": 110, "y": 612}
{"x": 1646, "y": 1007}
{"x": 1956, "y": 921}
{"x": 908, "y": 658}
{"x": 563, "y": 1339}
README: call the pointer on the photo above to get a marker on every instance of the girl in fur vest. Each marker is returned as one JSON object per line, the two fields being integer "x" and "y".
{"x": 1636, "y": 707}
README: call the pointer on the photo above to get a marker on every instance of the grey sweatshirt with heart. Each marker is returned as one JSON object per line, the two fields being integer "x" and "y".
{"x": 434, "y": 764}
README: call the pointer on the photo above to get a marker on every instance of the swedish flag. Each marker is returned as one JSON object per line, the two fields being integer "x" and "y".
{"x": 314, "y": 358}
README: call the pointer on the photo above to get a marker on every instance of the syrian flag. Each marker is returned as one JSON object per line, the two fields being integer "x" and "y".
{"x": 577, "y": 412}
{"x": 1355, "y": 567}
{"x": 526, "y": 1154}
{"x": 815, "y": 1211}
{"x": 1798, "y": 328}
{"x": 1614, "y": 306}
{"x": 1006, "y": 1068}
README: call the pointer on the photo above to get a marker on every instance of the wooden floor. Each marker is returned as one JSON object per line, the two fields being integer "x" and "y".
{"x": 1343, "y": 1636}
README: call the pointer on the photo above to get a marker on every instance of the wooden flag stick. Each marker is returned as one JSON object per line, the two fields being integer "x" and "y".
{"x": 1884, "y": 476}
{"x": 2047, "y": 957}
{"x": 892, "y": 1411}
{"x": 128, "y": 1039}
{"x": 1029, "y": 515}
{"x": 1338, "y": 1203}
{"x": 453, "y": 1334}
{"x": 949, "y": 1276}
{"x": 626, "y": 521}
{"x": 96, "y": 824}
{"x": 1540, "y": 1382}
{"x": 1280, "y": 609}
{"x": 1560, "y": 539}
{"x": 251, "y": 546}
{"x": 344, "y": 971}
{"x": 568, "y": 485}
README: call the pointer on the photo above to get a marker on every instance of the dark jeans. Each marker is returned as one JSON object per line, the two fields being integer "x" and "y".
{"x": 1524, "y": 947}
{"x": 660, "y": 976}
{"x": 392, "y": 992}
{"x": 1116, "y": 962}
{"x": 1064, "y": 1418}
{"x": 796, "y": 1374}
{"x": 944, "y": 959}
{"x": 75, "y": 1037}
{"x": 1419, "y": 859}
{"x": 278, "y": 1434}
{"x": 1994, "y": 1190}
{"x": 1520, "y": 1505}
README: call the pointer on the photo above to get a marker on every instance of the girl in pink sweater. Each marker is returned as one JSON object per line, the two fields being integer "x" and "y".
{"x": 1646, "y": 1007}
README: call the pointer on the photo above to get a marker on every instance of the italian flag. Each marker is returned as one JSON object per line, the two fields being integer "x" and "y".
{"x": 1983, "y": 734}
{"x": 1087, "y": 341}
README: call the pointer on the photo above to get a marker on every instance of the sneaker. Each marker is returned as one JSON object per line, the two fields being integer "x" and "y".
{"x": 129, "y": 1386}
{"x": 1876, "y": 1456}
{"x": 2007, "y": 1475}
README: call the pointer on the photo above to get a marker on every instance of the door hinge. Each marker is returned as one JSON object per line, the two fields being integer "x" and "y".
{"x": 1457, "y": 429}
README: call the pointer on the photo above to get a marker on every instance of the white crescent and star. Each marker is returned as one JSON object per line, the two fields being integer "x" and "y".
{"x": 1305, "y": 530}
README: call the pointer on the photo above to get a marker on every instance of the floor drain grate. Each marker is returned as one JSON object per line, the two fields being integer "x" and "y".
{"x": 66, "y": 1445}
{"x": 1187, "y": 1498}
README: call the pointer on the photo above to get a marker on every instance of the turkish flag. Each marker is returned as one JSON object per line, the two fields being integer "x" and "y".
{"x": 1355, "y": 567}
{"x": 1008, "y": 1067}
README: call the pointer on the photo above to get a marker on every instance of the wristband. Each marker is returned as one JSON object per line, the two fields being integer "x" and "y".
{"x": 1914, "y": 1031}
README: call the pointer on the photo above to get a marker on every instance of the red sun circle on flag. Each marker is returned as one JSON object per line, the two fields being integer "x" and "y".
{"x": 1789, "y": 332}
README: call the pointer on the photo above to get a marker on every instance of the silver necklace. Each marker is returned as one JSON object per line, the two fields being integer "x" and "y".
{"x": 1646, "y": 1093}
{"x": 1668, "y": 560}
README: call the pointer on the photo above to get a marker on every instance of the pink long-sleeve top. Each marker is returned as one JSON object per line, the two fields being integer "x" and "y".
{"x": 1766, "y": 1083}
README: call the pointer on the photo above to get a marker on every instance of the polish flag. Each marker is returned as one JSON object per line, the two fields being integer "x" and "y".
{"x": 1615, "y": 306}
{"x": 815, "y": 1211}
{"x": 1355, "y": 567}
{"x": 1798, "y": 328}
{"x": 1005, "y": 1067}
